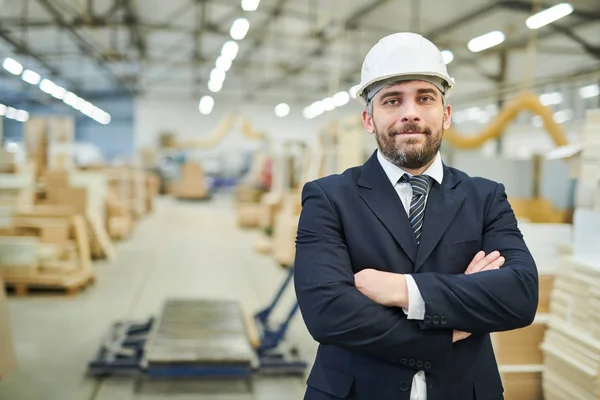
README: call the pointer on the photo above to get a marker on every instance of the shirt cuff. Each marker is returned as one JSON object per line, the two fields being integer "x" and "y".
{"x": 416, "y": 304}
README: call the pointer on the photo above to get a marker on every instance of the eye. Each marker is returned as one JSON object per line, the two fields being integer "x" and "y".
{"x": 391, "y": 102}
{"x": 426, "y": 99}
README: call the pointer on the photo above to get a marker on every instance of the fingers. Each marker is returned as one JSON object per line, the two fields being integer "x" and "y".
{"x": 481, "y": 262}
{"x": 496, "y": 264}
{"x": 478, "y": 257}
{"x": 484, "y": 262}
{"x": 459, "y": 335}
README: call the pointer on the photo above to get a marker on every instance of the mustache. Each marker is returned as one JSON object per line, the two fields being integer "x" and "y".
{"x": 411, "y": 128}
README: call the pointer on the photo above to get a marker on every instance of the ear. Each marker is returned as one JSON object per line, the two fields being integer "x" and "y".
{"x": 447, "y": 117}
{"x": 368, "y": 122}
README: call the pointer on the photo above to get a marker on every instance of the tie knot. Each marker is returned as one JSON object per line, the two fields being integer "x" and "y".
{"x": 419, "y": 183}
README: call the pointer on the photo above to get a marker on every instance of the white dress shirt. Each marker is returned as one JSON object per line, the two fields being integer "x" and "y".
{"x": 416, "y": 304}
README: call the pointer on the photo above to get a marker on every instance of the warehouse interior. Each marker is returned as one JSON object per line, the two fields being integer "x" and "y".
{"x": 154, "y": 154}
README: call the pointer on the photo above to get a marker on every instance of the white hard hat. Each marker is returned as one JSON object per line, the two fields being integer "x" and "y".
{"x": 407, "y": 55}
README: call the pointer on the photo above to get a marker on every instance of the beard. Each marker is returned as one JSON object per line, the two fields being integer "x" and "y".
{"x": 412, "y": 153}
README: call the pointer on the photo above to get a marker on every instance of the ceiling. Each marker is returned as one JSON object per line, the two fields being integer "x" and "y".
{"x": 294, "y": 51}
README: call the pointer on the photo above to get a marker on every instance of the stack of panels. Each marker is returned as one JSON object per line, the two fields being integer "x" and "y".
{"x": 195, "y": 338}
{"x": 572, "y": 343}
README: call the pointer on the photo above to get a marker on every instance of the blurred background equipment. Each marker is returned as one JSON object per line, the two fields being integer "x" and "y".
{"x": 152, "y": 161}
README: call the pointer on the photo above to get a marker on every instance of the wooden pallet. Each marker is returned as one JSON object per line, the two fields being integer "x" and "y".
{"x": 69, "y": 284}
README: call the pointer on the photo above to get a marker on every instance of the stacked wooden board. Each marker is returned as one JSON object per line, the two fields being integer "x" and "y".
{"x": 572, "y": 343}
{"x": 518, "y": 352}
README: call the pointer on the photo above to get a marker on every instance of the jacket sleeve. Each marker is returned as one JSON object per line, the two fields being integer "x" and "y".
{"x": 336, "y": 313}
{"x": 488, "y": 301}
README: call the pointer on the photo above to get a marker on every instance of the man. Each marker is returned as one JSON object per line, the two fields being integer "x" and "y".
{"x": 405, "y": 265}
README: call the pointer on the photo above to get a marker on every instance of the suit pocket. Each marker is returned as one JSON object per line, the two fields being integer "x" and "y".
{"x": 330, "y": 381}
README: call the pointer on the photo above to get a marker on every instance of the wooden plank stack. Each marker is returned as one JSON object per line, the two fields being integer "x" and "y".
{"x": 518, "y": 352}
{"x": 572, "y": 343}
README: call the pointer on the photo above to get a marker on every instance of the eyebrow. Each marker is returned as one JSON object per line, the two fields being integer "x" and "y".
{"x": 396, "y": 93}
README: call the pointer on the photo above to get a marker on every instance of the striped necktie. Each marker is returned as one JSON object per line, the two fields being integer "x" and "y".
{"x": 420, "y": 186}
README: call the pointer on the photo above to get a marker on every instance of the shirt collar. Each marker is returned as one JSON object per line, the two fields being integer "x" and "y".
{"x": 394, "y": 173}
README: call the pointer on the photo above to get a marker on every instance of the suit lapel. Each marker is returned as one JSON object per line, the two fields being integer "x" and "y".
{"x": 381, "y": 197}
{"x": 443, "y": 203}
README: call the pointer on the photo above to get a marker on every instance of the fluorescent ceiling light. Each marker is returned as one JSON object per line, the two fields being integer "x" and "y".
{"x": 230, "y": 50}
{"x": 217, "y": 75}
{"x": 47, "y": 86}
{"x": 223, "y": 63}
{"x": 353, "y": 91}
{"x": 486, "y": 41}
{"x": 549, "y": 15}
{"x": 78, "y": 103}
{"x": 98, "y": 114}
{"x": 314, "y": 110}
{"x": 250, "y": 5}
{"x": 328, "y": 104}
{"x": 12, "y": 66}
{"x": 341, "y": 98}
{"x": 22, "y": 116}
{"x": 282, "y": 110}
{"x": 70, "y": 99}
{"x": 562, "y": 116}
{"x": 11, "y": 113}
{"x": 589, "y": 91}
{"x": 59, "y": 92}
{"x": 31, "y": 77}
{"x": 239, "y": 28}
{"x": 215, "y": 86}
{"x": 3, "y": 109}
{"x": 87, "y": 108}
{"x": 548, "y": 99}
{"x": 447, "y": 56}
{"x": 105, "y": 120}
{"x": 206, "y": 105}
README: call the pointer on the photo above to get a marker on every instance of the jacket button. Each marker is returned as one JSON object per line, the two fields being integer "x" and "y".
{"x": 443, "y": 320}
{"x": 403, "y": 361}
{"x": 419, "y": 364}
{"x": 404, "y": 386}
{"x": 427, "y": 319}
{"x": 411, "y": 362}
{"x": 427, "y": 365}
{"x": 436, "y": 320}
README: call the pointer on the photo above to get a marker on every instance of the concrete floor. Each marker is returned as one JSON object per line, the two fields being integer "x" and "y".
{"x": 183, "y": 249}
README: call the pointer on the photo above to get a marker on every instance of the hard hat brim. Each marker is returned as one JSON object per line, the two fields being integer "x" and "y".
{"x": 361, "y": 89}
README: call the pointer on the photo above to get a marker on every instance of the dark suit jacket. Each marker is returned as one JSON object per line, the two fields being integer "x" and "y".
{"x": 367, "y": 351}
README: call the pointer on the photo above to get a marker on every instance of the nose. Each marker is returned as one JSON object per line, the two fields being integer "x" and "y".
{"x": 409, "y": 113}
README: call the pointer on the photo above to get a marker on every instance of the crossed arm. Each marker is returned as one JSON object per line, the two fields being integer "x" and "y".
{"x": 338, "y": 309}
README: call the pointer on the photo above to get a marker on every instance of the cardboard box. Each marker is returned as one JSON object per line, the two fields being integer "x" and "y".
{"x": 522, "y": 385}
{"x": 7, "y": 351}
{"x": 520, "y": 346}
{"x": 546, "y": 282}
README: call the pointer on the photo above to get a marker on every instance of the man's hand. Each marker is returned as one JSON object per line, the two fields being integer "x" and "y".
{"x": 481, "y": 262}
{"x": 385, "y": 288}
{"x": 459, "y": 335}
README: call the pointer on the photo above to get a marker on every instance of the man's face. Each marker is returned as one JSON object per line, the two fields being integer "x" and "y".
{"x": 408, "y": 121}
